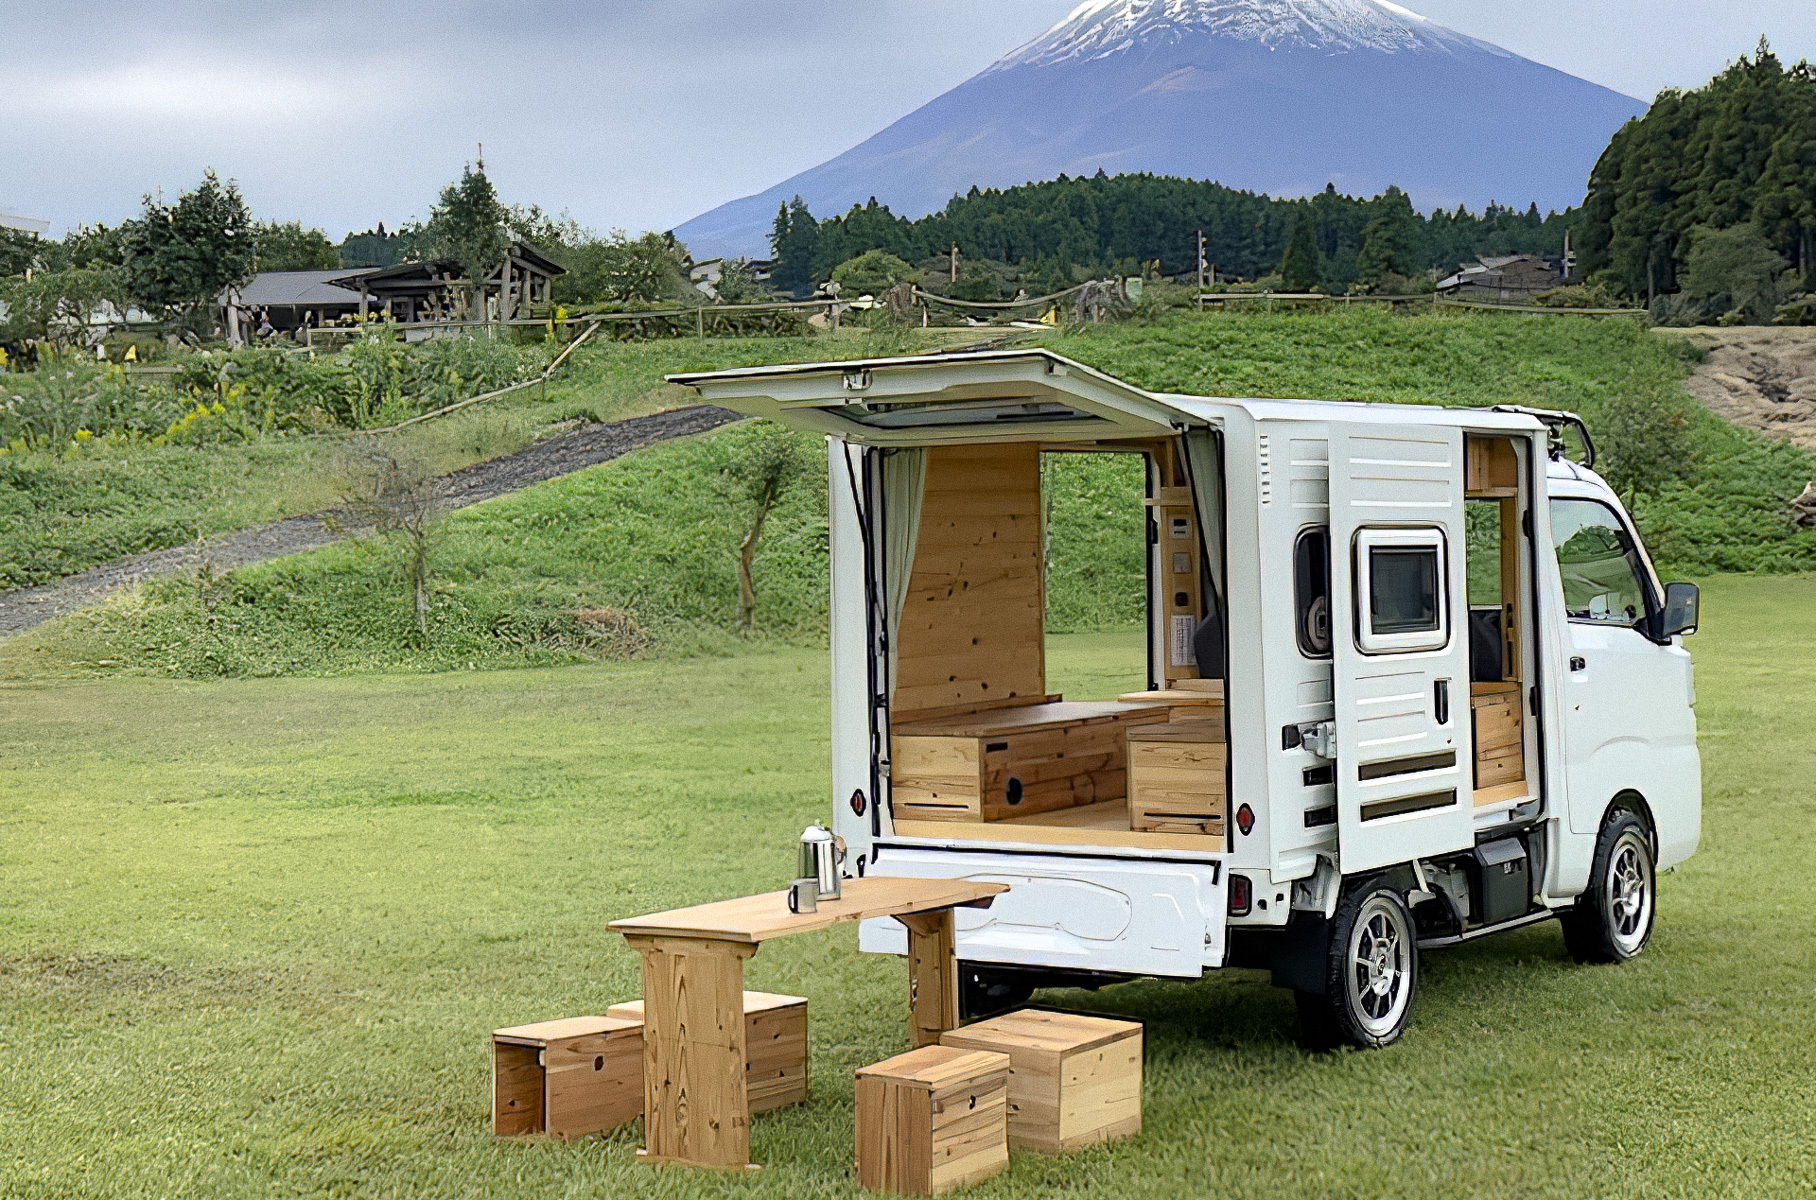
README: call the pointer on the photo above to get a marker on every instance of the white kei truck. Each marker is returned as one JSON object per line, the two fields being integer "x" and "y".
{"x": 1411, "y": 679}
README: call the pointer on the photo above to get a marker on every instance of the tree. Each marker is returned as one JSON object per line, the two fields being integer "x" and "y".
{"x": 389, "y": 488}
{"x": 55, "y": 306}
{"x": 179, "y": 257}
{"x": 763, "y": 467}
{"x": 19, "y": 251}
{"x": 621, "y": 269}
{"x": 1738, "y": 270}
{"x": 1741, "y": 150}
{"x": 1300, "y": 270}
{"x": 287, "y": 246}
{"x": 872, "y": 273}
{"x": 738, "y": 283}
{"x": 467, "y": 226}
{"x": 794, "y": 243}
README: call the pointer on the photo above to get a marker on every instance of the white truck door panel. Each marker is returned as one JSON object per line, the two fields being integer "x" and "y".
{"x": 1127, "y": 915}
{"x": 1400, "y": 646}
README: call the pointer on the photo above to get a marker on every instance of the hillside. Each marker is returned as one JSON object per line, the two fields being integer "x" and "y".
{"x": 1277, "y": 96}
{"x": 640, "y": 555}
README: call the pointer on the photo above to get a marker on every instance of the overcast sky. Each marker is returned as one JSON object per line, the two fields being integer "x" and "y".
{"x": 631, "y": 113}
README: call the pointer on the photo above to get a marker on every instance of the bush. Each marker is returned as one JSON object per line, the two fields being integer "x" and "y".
{"x": 871, "y": 274}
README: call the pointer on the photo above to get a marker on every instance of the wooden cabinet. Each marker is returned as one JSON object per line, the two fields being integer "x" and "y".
{"x": 1176, "y": 777}
{"x": 932, "y": 1120}
{"x": 1074, "y": 1080}
{"x": 1013, "y": 762}
{"x": 1499, "y": 738}
{"x": 567, "y": 1078}
{"x": 775, "y": 1047}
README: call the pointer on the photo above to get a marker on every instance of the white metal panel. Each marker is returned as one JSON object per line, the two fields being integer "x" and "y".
{"x": 1405, "y": 477}
{"x": 850, "y": 636}
{"x": 1140, "y": 917}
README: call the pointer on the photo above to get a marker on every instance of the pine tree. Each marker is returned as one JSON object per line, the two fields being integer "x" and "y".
{"x": 1300, "y": 270}
{"x": 795, "y": 245}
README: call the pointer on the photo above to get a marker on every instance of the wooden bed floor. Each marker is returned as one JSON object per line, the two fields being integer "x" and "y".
{"x": 1105, "y": 824}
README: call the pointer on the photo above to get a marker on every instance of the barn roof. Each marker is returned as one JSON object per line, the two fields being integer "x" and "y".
{"x": 299, "y": 288}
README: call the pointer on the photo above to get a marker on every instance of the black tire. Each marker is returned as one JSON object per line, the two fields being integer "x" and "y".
{"x": 1371, "y": 975}
{"x": 1613, "y": 918}
{"x": 985, "y": 993}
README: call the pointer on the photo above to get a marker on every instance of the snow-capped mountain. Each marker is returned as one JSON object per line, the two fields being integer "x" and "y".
{"x": 1101, "y": 27}
{"x": 1279, "y": 96}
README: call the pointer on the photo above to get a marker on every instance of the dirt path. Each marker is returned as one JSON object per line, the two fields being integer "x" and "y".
{"x": 1760, "y": 378}
{"x": 552, "y": 458}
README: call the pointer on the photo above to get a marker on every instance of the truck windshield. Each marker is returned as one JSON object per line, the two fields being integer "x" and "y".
{"x": 1599, "y": 562}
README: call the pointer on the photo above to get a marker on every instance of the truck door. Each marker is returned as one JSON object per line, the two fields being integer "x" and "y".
{"x": 1400, "y": 644}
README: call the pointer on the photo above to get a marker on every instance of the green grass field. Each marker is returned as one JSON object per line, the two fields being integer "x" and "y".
{"x": 256, "y": 932}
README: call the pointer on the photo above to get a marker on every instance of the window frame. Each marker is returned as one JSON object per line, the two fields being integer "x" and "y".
{"x": 1638, "y": 562}
{"x": 1306, "y": 649}
{"x": 1421, "y": 537}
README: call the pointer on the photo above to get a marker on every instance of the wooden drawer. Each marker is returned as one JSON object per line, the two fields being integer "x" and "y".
{"x": 1013, "y": 764}
{"x": 1176, "y": 777}
{"x": 1499, "y": 737}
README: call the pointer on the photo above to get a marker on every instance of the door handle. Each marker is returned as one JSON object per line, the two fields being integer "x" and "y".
{"x": 1578, "y": 663}
{"x": 1440, "y": 701}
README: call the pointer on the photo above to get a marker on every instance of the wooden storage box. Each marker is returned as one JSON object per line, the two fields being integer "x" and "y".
{"x": 1013, "y": 762}
{"x": 932, "y": 1120}
{"x": 568, "y": 1078}
{"x": 1073, "y": 1079}
{"x": 775, "y": 1047}
{"x": 1499, "y": 741}
{"x": 1176, "y": 777}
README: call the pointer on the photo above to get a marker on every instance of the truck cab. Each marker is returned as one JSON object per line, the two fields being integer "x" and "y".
{"x": 1410, "y": 679}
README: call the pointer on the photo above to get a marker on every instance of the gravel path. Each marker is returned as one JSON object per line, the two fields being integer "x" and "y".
{"x": 552, "y": 458}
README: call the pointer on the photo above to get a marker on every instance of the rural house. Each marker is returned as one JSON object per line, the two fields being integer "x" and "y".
{"x": 434, "y": 292}
{"x": 1507, "y": 279}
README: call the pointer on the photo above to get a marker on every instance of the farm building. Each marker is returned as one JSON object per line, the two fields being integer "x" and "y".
{"x": 12, "y": 220}
{"x": 291, "y": 299}
{"x": 1506, "y": 279}
{"x": 419, "y": 292}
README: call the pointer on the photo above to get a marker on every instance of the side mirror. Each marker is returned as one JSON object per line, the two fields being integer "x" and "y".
{"x": 1683, "y": 605}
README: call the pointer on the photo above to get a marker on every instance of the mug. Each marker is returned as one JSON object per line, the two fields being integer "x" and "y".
{"x": 804, "y": 896}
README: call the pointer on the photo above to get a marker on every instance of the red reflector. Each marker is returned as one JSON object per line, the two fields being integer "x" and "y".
{"x": 1245, "y": 819}
{"x": 1241, "y": 895}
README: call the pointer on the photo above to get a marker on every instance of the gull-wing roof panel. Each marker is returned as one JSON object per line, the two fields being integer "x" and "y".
{"x": 942, "y": 399}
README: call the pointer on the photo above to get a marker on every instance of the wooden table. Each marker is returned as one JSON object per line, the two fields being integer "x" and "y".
{"x": 695, "y": 1110}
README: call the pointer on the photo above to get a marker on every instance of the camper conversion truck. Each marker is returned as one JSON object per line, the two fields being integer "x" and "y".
{"x": 1410, "y": 679}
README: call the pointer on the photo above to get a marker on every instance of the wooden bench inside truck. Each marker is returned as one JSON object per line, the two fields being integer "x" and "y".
{"x": 979, "y": 749}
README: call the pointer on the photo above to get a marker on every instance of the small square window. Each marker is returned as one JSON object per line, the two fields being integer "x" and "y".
{"x": 1403, "y": 589}
{"x": 1402, "y": 593}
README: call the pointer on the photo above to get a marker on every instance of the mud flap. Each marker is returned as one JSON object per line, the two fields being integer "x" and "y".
{"x": 1301, "y": 953}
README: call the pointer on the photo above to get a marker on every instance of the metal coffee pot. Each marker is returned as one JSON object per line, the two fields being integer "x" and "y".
{"x": 821, "y": 855}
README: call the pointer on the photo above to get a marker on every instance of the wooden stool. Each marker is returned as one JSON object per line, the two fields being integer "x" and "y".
{"x": 932, "y": 1120}
{"x": 567, "y": 1078}
{"x": 1074, "y": 1080}
{"x": 775, "y": 1047}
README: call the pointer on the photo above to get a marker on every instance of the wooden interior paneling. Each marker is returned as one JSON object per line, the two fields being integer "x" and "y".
{"x": 972, "y": 627}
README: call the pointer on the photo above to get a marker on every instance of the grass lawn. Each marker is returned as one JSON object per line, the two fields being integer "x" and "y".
{"x": 256, "y": 932}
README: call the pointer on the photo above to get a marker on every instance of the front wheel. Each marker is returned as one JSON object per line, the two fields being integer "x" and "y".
{"x": 1371, "y": 973}
{"x": 1612, "y": 919}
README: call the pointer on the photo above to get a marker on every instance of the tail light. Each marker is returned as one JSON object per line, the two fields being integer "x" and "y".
{"x": 1242, "y": 894}
{"x": 1245, "y": 819}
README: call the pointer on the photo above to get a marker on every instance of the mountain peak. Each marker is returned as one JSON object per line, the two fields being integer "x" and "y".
{"x": 1102, "y": 28}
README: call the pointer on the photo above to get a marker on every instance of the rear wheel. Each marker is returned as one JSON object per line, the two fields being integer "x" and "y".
{"x": 1613, "y": 918}
{"x": 1371, "y": 973}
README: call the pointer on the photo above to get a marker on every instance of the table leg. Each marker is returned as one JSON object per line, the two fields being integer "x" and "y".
{"x": 932, "y": 976}
{"x": 695, "y": 1107}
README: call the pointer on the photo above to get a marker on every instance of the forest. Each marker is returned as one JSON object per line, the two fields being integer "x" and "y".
{"x": 1048, "y": 229}
{"x": 1706, "y": 206}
